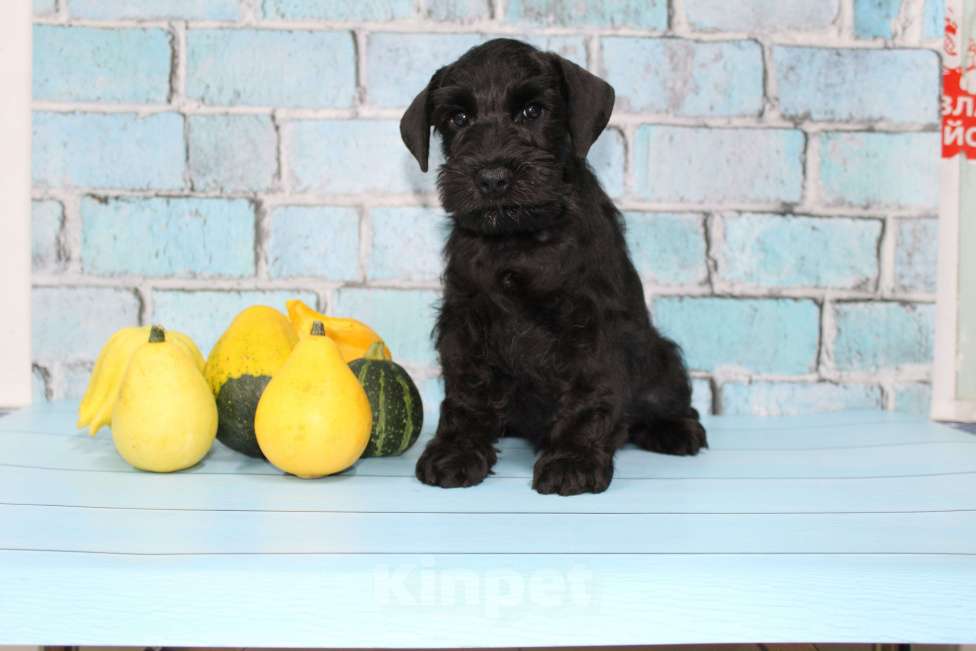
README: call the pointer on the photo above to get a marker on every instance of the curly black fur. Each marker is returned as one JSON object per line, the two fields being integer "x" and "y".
{"x": 543, "y": 331}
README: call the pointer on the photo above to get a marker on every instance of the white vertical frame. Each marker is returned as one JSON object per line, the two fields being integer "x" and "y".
{"x": 15, "y": 188}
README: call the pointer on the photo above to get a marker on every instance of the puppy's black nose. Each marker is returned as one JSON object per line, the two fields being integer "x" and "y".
{"x": 494, "y": 181}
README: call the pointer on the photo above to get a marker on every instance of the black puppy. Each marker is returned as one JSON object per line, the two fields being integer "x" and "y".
{"x": 543, "y": 331}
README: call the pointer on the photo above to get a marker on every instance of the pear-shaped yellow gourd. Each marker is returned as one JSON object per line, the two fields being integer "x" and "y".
{"x": 314, "y": 418}
{"x": 165, "y": 417}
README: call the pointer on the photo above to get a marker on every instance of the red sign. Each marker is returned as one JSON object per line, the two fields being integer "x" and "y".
{"x": 958, "y": 90}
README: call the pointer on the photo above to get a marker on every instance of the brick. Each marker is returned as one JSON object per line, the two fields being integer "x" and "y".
{"x": 607, "y": 157}
{"x": 842, "y": 84}
{"x": 64, "y": 328}
{"x": 916, "y": 251}
{"x": 403, "y": 317}
{"x": 419, "y": 231}
{"x": 933, "y": 19}
{"x": 119, "y": 150}
{"x": 320, "y": 241}
{"x": 632, "y": 14}
{"x": 74, "y": 382}
{"x": 38, "y": 385}
{"x": 913, "y": 398}
{"x": 890, "y": 170}
{"x": 167, "y": 237}
{"x": 568, "y": 47}
{"x": 338, "y": 10}
{"x": 82, "y": 64}
{"x": 701, "y": 395}
{"x": 797, "y": 398}
{"x": 755, "y": 335}
{"x": 245, "y": 67}
{"x": 232, "y": 153}
{"x": 205, "y": 315}
{"x": 875, "y": 18}
{"x": 783, "y": 251}
{"x": 44, "y": 7}
{"x": 761, "y": 15}
{"x": 459, "y": 11}
{"x": 880, "y": 335}
{"x": 667, "y": 248}
{"x": 680, "y": 164}
{"x": 47, "y": 218}
{"x": 398, "y": 66}
{"x": 685, "y": 78}
{"x": 155, "y": 9}
{"x": 328, "y": 156}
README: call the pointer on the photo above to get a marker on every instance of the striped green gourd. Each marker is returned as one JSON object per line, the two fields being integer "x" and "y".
{"x": 398, "y": 413}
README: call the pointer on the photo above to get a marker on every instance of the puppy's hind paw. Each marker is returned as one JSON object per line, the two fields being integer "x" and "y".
{"x": 451, "y": 466}
{"x": 572, "y": 473}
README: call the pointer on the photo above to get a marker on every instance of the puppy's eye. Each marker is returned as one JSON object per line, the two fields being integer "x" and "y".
{"x": 532, "y": 110}
{"x": 459, "y": 119}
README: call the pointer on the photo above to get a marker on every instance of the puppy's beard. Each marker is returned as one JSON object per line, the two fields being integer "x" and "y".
{"x": 511, "y": 220}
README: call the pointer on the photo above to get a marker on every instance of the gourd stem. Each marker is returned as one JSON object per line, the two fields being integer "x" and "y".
{"x": 377, "y": 350}
{"x": 156, "y": 334}
{"x": 318, "y": 329}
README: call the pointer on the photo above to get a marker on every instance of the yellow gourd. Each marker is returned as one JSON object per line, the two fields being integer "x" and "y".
{"x": 352, "y": 337}
{"x": 165, "y": 418}
{"x": 96, "y": 406}
{"x": 314, "y": 418}
{"x": 239, "y": 367}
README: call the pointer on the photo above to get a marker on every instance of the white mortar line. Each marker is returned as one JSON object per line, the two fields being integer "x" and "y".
{"x": 250, "y": 12}
{"x": 907, "y": 27}
{"x": 845, "y": 22}
{"x": 365, "y": 240}
{"x": 886, "y": 262}
{"x": 489, "y": 27}
{"x": 361, "y": 54}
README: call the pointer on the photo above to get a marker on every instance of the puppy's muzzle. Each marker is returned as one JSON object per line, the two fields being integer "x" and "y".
{"x": 494, "y": 181}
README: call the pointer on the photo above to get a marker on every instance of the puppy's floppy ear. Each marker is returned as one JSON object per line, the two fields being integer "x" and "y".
{"x": 590, "y": 102}
{"x": 415, "y": 124}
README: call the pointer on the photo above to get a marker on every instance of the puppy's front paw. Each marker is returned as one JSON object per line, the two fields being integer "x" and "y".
{"x": 449, "y": 465}
{"x": 680, "y": 436}
{"x": 572, "y": 473}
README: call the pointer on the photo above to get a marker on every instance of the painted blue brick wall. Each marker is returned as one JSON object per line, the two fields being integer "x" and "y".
{"x": 232, "y": 153}
{"x": 156, "y": 9}
{"x": 112, "y": 150}
{"x": 101, "y": 65}
{"x": 47, "y": 219}
{"x": 774, "y": 336}
{"x": 775, "y": 163}
{"x": 314, "y": 241}
{"x": 167, "y": 237}
{"x": 242, "y": 67}
{"x": 829, "y": 84}
{"x": 667, "y": 248}
{"x": 916, "y": 249}
{"x": 716, "y": 79}
{"x": 880, "y": 169}
{"x": 695, "y": 165}
{"x": 63, "y": 325}
{"x": 640, "y": 14}
{"x": 760, "y": 250}
{"x": 873, "y": 336}
{"x": 761, "y": 15}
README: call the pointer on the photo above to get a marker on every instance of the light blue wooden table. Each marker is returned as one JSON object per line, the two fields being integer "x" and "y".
{"x": 850, "y": 527}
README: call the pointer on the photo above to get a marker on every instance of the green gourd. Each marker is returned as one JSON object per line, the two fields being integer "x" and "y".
{"x": 398, "y": 412}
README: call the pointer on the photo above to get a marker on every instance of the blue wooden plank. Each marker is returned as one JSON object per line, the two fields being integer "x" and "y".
{"x": 82, "y": 453}
{"x": 398, "y": 494}
{"x": 842, "y": 527}
{"x": 268, "y": 532}
{"x": 407, "y": 601}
